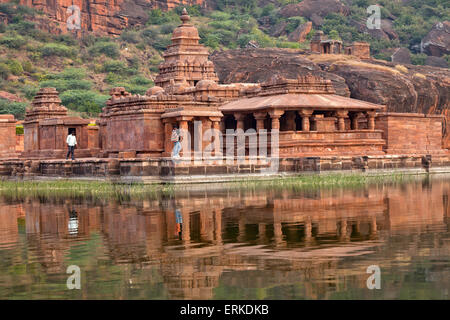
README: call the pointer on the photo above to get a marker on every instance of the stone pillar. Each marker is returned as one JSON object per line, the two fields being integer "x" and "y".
{"x": 260, "y": 117}
{"x": 341, "y": 115}
{"x": 305, "y": 114}
{"x": 241, "y": 225}
{"x": 218, "y": 226}
{"x": 370, "y": 115}
{"x": 261, "y": 232}
{"x": 186, "y": 229}
{"x": 354, "y": 118}
{"x": 184, "y": 131}
{"x": 217, "y": 131}
{"x": 198, "y": 138}
{"x": 239, "y": 121}
{"x": 168, "y": 145}
{"x": 275, "y": 116}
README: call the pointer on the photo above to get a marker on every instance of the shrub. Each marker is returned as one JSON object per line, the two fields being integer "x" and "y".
{"x": 157, "y": 16}
{"x": 418, "y": 59}
{"x": 15, "y": 108}
{"x": 27, "y": 66}
{"x": 29, "y": 91}
{"x": 115, "y": 66}
{"x": 63, "y": 84}
{"x": 68, "y": 73}
{"x": 25, "y": 28}
{"x": 130, "y": 36}
{"x": 13, "y": 41}
{"x": 19, "y": 130}
{"x": 141, "y": 81}
{"x": 83, "y": 101}
{"x": 162, "y": 42}
{"x": 109, "y": 49}
{"x": 56, "y": 49}
{"x": 4, "y": 71}
{"x": 15, "y": 67}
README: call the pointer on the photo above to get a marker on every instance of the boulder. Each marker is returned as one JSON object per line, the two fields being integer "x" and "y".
{"x": 300, "y": 33}
{"x": 401, "y": 55}
{"x": 260, "y": 65}
{"x": 436, "y": 62}
{"x": 437, "y": 41}
{"x": 386, "y": 31}
{"x": 315, "y": 10}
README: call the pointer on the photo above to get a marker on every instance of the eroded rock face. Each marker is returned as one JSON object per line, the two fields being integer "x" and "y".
{"x": 315, "y": 10}
{"x": 104, "y": 17}
{"x": 437, "y": 41}
{"x": 260, "y": 65}
{"x": 422, "y": 89}
{"x": 401, "y": 55}
{"x": 436, "y": 62}
{"x": 300, "y": 33}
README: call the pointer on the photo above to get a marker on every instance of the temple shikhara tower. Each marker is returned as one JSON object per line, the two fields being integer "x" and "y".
{"x": 185, "y": 60}
{"x": 315, "y": 128}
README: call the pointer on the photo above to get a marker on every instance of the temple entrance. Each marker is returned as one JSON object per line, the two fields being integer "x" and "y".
{"x": 72, "y": 130}
{"x": 230, "y": 122}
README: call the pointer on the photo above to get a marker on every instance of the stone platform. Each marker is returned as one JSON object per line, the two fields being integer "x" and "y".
{"x": 165, "y": 170}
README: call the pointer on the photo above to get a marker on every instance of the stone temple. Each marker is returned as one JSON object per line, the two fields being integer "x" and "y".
{"x": 227, "y": 129}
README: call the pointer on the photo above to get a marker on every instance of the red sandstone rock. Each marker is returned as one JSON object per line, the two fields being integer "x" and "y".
{"x": 436, "y": 62}
{"x": 315, "y": 10}
{"x": 299, "y": 34}
{"x": 401, "y": 55}
{"x": 260, "y": 65}
{"x": 105, "y": 17}
{"x": 9, "y": 96}
{"x": 437, "y": 41}
{"x": 385, "y": 32}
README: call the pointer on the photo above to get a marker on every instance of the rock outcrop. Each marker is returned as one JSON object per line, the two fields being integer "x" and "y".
{"x": 300, "y": 33}
{"x": 315, "y": 10}
{"x": 103, "y": 17}
{"x": 437, "y": 41}
{"x": 260, "y": 65}
{"x": 422, "y": 89}
{"x": 401, "y": 55}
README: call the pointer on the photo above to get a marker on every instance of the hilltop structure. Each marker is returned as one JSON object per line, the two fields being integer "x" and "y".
{"x": 312, "y": 124}
{"x": 321, "y": 44}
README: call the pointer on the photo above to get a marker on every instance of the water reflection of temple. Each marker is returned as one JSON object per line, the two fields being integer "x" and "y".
{"x": 245, "y": 239}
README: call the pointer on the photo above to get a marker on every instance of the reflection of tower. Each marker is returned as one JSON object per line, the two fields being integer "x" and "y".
{"x": 343, "y": 233}
{"x": 446, "y": 206}
{"x": 73, "y": 222}
{"x": 9, "y": 232}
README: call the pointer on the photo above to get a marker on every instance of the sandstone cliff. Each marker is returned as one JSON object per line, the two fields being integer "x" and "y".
{"x": 103, "y": 17}
{"x": 406, "y": 88}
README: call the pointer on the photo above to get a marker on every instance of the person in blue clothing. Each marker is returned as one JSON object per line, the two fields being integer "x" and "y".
{"x": 176, "y": 139}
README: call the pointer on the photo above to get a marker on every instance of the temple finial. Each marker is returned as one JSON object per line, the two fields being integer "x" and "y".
{"x": 185, "y": 16}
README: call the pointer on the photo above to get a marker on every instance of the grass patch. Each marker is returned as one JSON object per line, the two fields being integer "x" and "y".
{"x": 90, "y": 190}
{"x": 401, "y": 68}
{"x": 340, "y": 59}
{"x": 94, "y": 190}
{"x": 314, "y": 181}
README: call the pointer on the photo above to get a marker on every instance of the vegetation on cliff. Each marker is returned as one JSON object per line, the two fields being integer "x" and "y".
{"x": 84, "y": 68}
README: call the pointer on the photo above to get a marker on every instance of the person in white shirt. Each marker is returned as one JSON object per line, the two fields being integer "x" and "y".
{"x": 71, "y": 143}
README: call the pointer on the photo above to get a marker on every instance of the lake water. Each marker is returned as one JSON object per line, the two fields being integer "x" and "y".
{"x": 212, "y": 243}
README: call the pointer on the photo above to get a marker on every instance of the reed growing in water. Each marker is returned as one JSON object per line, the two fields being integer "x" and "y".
{"x": 126, "y": 191}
